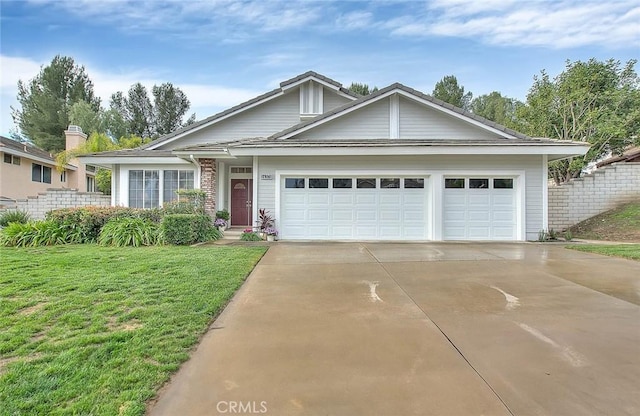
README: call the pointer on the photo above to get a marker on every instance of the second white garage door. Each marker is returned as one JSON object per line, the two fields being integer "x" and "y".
{"x": 353, "y": 208}
{"x": 479, "y": 208}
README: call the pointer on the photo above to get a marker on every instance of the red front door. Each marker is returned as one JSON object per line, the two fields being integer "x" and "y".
{"x": 241, "y": 197}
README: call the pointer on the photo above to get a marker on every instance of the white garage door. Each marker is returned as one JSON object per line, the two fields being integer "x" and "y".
{"x": 353, "y": 208}
{"x": 478, "y": 208}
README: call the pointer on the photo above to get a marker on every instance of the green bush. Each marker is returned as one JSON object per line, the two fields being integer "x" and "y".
{"x": 184, "y": 229}
{"x": 85, "y": 223}
{"x": 136, "y": 232}
{"x": 13, "y": 216}
{"x": 250, "y": 236}
{"x": 33, "y": 234}
{"x": 224, "y": 214}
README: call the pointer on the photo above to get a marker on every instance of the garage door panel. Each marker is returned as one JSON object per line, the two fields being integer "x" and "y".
{"x": 318, "y": 215}
{"x": 413, "y": 216}
{"x": 340, "y": 198}
{"x": 366, "y": 215}
{"x": 390, "y": 232}
{"x": 342, "y": 215}
{"x": 353, "y": 213}
{"x": 390, "y": 215}
{"x": 293, "y": 214}
{"x": 454, "y": 215}
{"x": 365, "y": 198}
{"x": 479, "y": 213}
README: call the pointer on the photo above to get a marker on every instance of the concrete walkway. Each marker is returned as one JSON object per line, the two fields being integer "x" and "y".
{"x": 421, "y": 329}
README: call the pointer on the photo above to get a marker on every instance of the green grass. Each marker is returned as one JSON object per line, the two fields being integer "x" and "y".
{"x": 628, "y": 251}
{"x": 619, "y": 224}
{"x": 97, "y": 330}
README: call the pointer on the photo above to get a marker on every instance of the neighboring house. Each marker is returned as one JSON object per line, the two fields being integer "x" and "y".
{"x": 629, "y": 156}
{"x": 27, "y": 170}
{"x": 329, "y": 164}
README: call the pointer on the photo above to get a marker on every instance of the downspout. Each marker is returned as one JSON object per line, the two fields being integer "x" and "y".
{"x": 195, "y": 162}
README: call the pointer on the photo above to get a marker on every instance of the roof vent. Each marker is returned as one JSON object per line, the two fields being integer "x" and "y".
{"x": 74, "y": 129}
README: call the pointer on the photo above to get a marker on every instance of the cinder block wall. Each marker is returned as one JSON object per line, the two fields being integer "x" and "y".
{"x": 593, "y": 194}
{"x": 44, "y": 202}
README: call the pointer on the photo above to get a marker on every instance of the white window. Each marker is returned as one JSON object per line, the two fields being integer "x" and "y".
{"x": 175, "y": 180}
{"x": 311, "y": 98}
{"x": 63, "y": 176}
{"x": 144, "y": 188}
{"x": 91, "y": 184}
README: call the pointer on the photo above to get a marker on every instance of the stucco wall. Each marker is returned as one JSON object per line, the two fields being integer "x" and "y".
{"x": 38, "y": 206}
{"x": 15, "y": 180}
{"x": 593, "y": 194}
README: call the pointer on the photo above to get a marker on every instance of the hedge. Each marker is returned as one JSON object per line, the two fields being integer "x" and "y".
{"x": 183, "y": 229}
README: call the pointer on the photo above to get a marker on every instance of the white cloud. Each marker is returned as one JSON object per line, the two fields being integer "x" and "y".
{"x": 206, "y": 99}
{"x": 557, "y": 24}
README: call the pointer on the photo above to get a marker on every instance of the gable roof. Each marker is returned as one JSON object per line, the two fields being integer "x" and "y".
{"x": 284, "y": 85}
{"x": 25, "y": 149}
{"x": 410, "y": 93}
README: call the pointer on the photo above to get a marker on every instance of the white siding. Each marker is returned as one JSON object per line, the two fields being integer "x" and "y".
{"x": 418, "y": 121}
{"x": 333, "y": 100}
{"x": 435, "y": 166}
{"x": 260, "y": 121}
{"x": 370, "y": 122}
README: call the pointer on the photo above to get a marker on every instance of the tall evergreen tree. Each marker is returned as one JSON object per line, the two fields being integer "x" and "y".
{"x": 45, "y": 102}
{"x": 449, "y": 91}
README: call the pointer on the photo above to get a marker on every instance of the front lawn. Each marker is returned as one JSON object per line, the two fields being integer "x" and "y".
{"x": 629, "y": 251}
{"x": 96, "y": 330}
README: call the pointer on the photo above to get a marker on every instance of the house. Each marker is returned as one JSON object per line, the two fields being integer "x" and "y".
{"x": 26, "y": 170}
{"x": 330, "y": 164}
{"x": 631, "y": 155}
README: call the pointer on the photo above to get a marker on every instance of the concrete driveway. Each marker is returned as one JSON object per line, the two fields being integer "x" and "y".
{"x": 421, "y": 329}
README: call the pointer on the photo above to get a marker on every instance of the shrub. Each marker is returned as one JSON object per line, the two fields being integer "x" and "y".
{"x": 249, "y": 235}
{"x": 85, "y": 223}
{"x": 33, "y": 234}
{"x": 223, "y": 214}
{"x": 183, "y": 229}
{"x": 134, "y": 232}
{"x": 20, "y": 217}
{"x": 194, "y": 197}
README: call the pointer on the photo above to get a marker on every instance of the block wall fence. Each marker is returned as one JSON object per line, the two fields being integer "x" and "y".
{"x": 44, "y": 202}
{"x": 602, "y": 190}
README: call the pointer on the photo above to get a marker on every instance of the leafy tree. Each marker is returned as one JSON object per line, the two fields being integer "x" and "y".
{"x": 448, "y": 90}
{"x": 45, "y": 102}
{"x": 170, "y": 105}
{"x": 594, "y": 102}
{"x": 362, "y": 89}
{"x": 136, "y": 109}
{"x": 496, "y": 107}
{"x": 138, "y": 116}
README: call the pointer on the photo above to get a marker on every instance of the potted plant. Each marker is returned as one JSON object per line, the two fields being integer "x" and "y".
{"x": 223, "y": 215}
{"x": 271, "y": 233}
{"x": 265, "y": 220}
{"x": 220, "y": 224}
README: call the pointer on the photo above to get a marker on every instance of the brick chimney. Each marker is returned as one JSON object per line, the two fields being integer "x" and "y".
{"x": 74, "y": 138}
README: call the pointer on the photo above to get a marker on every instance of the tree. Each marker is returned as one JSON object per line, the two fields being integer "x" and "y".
{"x": 594, "y": 102}
{"x": 99, "y": 142}
{"x": 136, "y": 115}
{"x": 170, "y": 105}
{"x": 45, "y": 102}
{"x": 362, "y": 89}
{"x": 496, "y": 107}
{"x": 135, "y": 109}
{"x": 448, "y": 90}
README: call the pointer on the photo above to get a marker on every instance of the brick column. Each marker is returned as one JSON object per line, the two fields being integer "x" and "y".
{"x": 208, "y": 184}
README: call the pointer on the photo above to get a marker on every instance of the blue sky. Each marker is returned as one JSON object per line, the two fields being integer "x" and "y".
{"x": 224, "y": 52}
